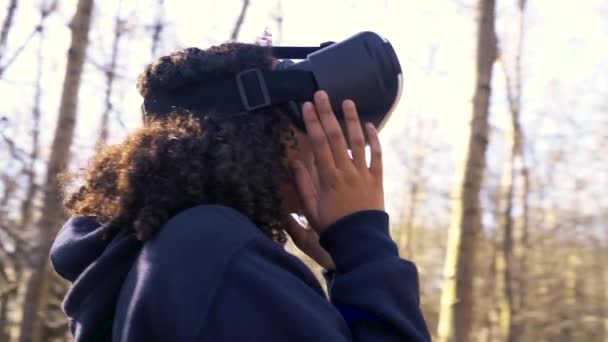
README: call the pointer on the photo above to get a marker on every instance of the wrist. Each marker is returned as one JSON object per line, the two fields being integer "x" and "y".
{"x": 359, "y": 238}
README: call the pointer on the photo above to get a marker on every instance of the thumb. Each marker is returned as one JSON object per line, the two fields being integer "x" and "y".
{"x": 298, "y": 233}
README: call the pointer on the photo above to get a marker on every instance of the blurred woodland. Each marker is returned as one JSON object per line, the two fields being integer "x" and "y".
{"x": 496, "y": 174}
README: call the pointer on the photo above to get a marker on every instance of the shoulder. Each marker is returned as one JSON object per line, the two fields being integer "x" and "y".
{"x": 176, "y": 275}
{"x": 277, "y": 298}
{"x": 209, "y": 235}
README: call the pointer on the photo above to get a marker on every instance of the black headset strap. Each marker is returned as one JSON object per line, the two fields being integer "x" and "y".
{"x": 293, "y": 52}
{"x": 248, "y": 91}
{"x": 296, "y": 52}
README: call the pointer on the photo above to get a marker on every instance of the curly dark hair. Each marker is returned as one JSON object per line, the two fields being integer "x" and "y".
{"x": 182, "y": 158}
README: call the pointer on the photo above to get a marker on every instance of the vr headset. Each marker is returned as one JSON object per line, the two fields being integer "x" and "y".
{"x": 363, "y": 68}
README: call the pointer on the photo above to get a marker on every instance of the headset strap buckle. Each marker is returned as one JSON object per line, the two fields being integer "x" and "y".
{"x": 261, "y": 83}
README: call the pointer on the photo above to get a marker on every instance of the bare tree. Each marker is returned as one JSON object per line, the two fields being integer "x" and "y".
{"x": 520, "y": 141}
{"x": 52, "y": 214}
{"x": 14, "y": 258}
{"x": 32, "y": 187}
{"x": 110, "y": 74}
{"x": 8, "y": 279}
{"x": 514, "y": 161}
{"x": 455, "y": 317}
{"x": 419, "y": 134}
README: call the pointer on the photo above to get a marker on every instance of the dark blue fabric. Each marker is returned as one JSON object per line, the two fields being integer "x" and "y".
{"x": 96, "y": 259}
{"x": 371, "y": 277}
{"x": 211, "y": 275}
{"x": 353, "y": 315}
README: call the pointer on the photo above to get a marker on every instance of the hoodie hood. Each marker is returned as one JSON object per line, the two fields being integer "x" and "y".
{"x": 96, "y": 258}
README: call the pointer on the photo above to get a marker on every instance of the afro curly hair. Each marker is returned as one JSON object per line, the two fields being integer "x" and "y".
{"x": 183, "y": 158}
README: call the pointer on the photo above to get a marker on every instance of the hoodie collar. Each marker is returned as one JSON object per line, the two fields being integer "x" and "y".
{"x": 96, "y": 258}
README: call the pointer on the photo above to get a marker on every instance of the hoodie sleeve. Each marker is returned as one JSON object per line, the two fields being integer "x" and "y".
{"x": 267, "y": 294}
{"x": 375, "y": 291}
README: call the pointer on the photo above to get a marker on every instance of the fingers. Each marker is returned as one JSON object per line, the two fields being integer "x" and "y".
{"x": 376, "y": 152}
{"x": 333, "y": 131}
{"x": 355, "y": 135}
{"x": 329, "y": 144}
{"x": 320, "y": 145}
{"x": 307, "y": 240}
{"x": 307, "y": 191}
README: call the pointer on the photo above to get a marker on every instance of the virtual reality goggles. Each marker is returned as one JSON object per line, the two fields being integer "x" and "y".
{"x": 363, "y": 68}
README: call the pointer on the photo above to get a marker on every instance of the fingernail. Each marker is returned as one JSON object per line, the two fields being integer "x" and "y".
{"x": 370, "y": 126}
{"x": 307, "y": 106}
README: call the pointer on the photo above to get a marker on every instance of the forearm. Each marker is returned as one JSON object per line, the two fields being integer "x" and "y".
{"x": 375, "y": 290}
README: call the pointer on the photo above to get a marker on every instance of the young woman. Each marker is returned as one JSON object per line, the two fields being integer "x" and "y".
{"x": 177, "y": 233}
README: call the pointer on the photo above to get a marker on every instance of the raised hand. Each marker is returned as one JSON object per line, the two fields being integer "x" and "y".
{"x": 345, "y": 185}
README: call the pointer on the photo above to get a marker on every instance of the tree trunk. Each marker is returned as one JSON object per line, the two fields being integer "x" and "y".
{"x": 514, "y": 160}
{"x": 406, "y": 237}
{"x": 53, "y": 215}
{"x": 4, "y": 299}
{"x": 8, "y": 288}
{"x": 605, "y": 294}
{"x": 490, "y": 314}
{"x": 522, "y": 255}
{"x": 504, "y": 257}
{"x": 570, "y": 328}
{"x": 521, "y": 141}
{"x": 456, "y": 310}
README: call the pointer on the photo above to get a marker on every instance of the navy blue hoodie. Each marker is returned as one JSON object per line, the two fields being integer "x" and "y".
{"x": 210, "y": 274}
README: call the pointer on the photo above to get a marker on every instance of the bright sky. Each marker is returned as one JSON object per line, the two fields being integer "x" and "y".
{"x": 565, "y": 53}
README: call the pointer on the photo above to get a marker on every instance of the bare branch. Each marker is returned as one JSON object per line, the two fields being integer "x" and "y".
{"x": 17, "y": 52}
{"x": 157, "y": 28}
{"x": 7, "y": 24}
{"x": 279, "y": 18}
{"x": 8, "y": 290}
{"x": 119, "y": 30}
{"x": 31, "y": 187}
{"x": 105, "y": 69}
{"x": 15, "y": 151}
{"x": 239, "y": 20}
{"x": 45, "y": 11}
